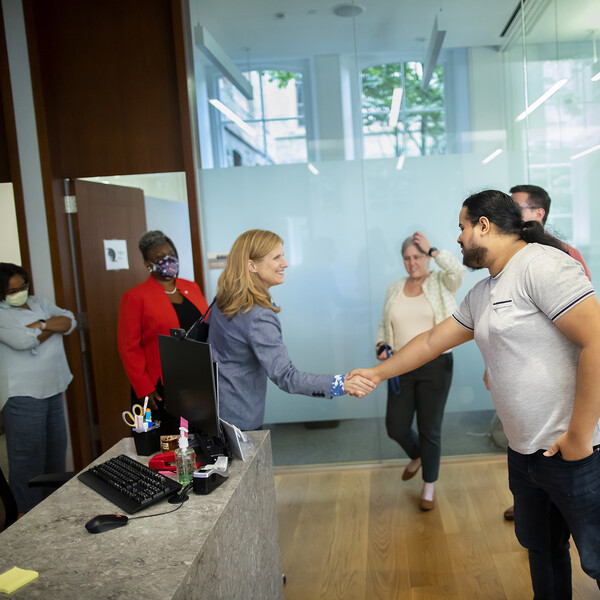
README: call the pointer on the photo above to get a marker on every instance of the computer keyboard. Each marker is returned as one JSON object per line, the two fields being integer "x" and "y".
{"x": 128, "y": 483}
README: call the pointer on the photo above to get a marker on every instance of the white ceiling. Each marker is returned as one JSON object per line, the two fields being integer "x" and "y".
{"x": 258, "y": 29}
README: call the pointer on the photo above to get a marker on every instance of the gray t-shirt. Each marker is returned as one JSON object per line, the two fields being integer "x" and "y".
{"x": 531, "y": 365}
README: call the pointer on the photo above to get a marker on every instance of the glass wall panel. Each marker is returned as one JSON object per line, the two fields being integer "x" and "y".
{"x": 357, "y": 153}
{"x": 561, "y": 136}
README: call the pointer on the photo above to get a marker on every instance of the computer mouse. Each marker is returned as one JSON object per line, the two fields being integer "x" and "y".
{"x": 102, "y": 523}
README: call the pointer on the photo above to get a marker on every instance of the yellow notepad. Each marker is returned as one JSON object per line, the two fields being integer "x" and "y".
{"x": 14, "y": 578}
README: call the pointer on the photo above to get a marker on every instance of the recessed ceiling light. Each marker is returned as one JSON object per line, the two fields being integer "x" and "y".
{"x": 348, "y": 10}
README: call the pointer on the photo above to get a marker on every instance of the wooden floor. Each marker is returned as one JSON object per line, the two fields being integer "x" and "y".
{"x": 358, "y": 533}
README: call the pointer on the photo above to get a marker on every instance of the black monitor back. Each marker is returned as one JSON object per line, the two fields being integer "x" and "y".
{"x": 189, "y": 382}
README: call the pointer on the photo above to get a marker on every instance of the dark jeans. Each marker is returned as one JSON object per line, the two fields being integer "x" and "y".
{"x": 554, "y": 499}
{"x": 36, "y": 443}
{"x": 423, "y": 391}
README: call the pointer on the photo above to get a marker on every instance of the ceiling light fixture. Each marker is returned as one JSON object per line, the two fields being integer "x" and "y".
{"x": 433, "y": 52}
{"x": 231, "y": 115}
{"x": 585, "y": 152}
{"x": 596, "y": 64}
{"x": 395, "y": 108}
{"x": 312, "y": 169}
{"x": 400, "y": 162}
{"x": 348, "y": 10}
{"x": 547, "y": 94}
{"x": 213, "y": 51}
{"x": 492, "y": 156}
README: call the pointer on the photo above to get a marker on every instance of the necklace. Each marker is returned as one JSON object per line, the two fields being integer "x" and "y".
{"x": 166, "y": 292}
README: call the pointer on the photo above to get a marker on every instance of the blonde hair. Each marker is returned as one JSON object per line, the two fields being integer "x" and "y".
{"x": 238, "y": 289}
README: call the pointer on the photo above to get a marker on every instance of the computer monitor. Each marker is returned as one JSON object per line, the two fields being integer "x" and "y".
{"x": 190, "y": 384}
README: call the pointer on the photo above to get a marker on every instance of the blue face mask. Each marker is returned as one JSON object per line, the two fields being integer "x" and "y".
{"x": 168, "y": 266}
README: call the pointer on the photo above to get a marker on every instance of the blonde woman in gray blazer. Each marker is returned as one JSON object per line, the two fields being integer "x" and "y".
{"x": 245, "y": 334}
{"x": 412, "y": 305}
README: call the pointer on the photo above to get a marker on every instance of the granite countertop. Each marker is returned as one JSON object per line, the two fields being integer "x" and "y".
{"x": 149, "y": 557}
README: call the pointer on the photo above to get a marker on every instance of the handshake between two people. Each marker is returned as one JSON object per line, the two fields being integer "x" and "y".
{"x": 361, "y": 382}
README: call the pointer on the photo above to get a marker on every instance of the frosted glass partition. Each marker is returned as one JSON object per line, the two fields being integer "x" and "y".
{"x": 342, "y": 231}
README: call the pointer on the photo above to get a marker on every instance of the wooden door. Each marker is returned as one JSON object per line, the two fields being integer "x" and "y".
{"x": 107, "y": 212}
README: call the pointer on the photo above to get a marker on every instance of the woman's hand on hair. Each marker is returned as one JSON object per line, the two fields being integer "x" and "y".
{"x": 421, "y": 242}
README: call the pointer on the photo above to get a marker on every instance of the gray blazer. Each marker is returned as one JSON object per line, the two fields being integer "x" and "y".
{"x": 249, "y": 348}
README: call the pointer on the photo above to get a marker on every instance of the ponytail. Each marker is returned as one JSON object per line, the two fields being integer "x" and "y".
{"x": 501, "y": 210}
{"x": 534, "y": 232}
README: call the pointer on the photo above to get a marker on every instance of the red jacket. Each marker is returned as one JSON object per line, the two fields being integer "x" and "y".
{"x": 146, "y": 312}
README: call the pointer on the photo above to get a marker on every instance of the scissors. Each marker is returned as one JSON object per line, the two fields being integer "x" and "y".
{"x": 134, "y": 417}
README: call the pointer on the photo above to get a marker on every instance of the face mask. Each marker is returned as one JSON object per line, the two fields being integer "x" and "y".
{"x": 168, "y": 266}
{"x": 17, "y": 299}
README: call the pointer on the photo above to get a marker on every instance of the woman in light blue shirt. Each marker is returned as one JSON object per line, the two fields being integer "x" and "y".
{"x": 33, "y": 376}
{"x": 245, "y": 335}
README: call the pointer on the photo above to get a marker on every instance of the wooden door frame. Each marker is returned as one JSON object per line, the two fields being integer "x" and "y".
{"x": 183, "y": 36}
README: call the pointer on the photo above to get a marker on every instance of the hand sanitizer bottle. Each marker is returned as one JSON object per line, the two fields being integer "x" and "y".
{"x": 185, "y": 459}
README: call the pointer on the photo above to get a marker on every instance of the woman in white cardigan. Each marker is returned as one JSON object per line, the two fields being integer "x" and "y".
{"x": 412, "y": 305}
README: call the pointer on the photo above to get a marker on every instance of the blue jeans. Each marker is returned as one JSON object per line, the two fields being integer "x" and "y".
{"x": 556, "y": 498}
{"x": 36, "y": 443}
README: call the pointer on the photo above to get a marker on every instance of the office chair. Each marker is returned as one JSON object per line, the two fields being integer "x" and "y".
{"x": 51, "y": 480}
{"x": 8, "y": 505}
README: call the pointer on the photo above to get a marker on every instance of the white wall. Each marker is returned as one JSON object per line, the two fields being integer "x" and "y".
{"x": 9, "y": 239}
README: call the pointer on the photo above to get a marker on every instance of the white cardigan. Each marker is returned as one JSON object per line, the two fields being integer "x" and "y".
{"x": 439, "y": 289}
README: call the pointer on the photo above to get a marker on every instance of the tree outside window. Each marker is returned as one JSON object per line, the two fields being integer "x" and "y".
{"x": 421, "y": 127}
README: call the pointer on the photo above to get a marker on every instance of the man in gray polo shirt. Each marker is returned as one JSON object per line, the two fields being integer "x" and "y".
{"x": 536, "y": 321}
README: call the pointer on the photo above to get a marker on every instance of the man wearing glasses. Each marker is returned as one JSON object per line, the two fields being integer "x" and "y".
{"x": 535, "y": 206}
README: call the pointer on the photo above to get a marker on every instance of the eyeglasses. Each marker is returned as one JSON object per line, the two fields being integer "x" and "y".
{"x": 12, "y": 291}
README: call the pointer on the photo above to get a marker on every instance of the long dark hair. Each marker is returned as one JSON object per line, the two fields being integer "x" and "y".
{"x": 505, "y": 214}
{"x": 7, "y": 271}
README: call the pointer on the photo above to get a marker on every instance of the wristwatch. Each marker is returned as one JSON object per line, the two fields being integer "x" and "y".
{"x": 432, "y": 249}
{"x": 43, "y": 323}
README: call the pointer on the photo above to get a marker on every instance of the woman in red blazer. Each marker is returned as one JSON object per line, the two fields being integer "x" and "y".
{"x": 150, "y": 309}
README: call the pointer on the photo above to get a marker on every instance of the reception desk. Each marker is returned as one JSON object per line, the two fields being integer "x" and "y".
{"x": 224, "y": 545}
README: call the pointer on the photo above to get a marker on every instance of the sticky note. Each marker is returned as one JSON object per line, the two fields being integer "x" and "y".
{"x": 15, "y": 578}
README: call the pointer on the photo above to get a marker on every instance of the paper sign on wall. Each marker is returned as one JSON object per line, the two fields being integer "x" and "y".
{"x": 115, "y": 254}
